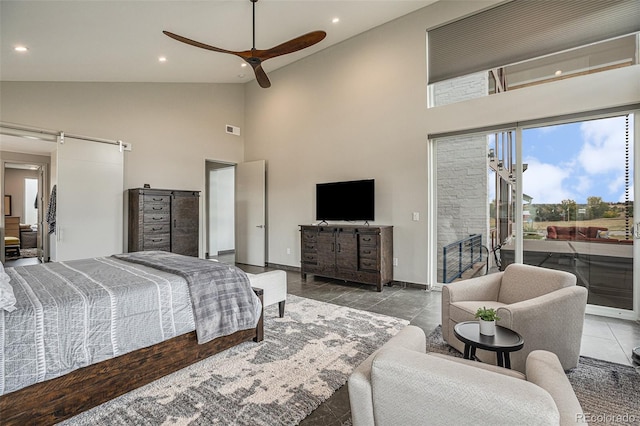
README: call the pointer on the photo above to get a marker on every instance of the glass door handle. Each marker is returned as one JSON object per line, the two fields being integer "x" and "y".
{"x": 636, "y": 230}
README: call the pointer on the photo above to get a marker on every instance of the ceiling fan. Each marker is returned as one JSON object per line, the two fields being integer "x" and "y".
{"x": 255, "y": 57}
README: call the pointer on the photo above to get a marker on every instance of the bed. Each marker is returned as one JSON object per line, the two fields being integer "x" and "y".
{"x": 85, "y": 331}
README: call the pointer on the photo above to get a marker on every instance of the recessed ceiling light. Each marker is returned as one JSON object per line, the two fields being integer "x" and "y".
{"x": 335, "y": 20}
{"x": 244, "y": 64}
{"x": 20, "y": 49}
{"x": 241, "y": 76}
{"x": 558, "y": 72}
{"x": 162, "y": 59}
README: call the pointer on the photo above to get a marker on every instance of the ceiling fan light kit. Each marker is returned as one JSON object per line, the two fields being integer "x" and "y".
{"x": 255, "y": 57}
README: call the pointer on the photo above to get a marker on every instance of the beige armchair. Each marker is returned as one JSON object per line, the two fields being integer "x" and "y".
{"x": 400, "y": 384}
{"x": 545, "y": 306}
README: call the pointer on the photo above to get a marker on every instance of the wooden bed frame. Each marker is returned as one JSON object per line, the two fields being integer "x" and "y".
{"x": 58, "y": 399}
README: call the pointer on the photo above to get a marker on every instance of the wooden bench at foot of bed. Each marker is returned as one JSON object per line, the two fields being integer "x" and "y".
{"x": 58, "y": 399}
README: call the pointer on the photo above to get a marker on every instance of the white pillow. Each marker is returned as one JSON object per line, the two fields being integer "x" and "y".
{"x": 7, "y": 298}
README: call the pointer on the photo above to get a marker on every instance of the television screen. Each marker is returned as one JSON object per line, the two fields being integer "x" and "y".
{"x": 353, "y": 200}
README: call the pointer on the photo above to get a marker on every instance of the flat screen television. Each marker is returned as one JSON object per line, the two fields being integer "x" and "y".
{"x": 349, "y": 201}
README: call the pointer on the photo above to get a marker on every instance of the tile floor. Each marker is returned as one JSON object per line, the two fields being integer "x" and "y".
{"x": 603, "y": 338}
{"x": 609, "y": 339}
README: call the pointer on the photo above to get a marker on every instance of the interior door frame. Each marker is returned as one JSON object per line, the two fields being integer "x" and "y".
{"x": 43, "y": 198}
{"x": 206, "y": 225}
{"x": 206, "y": 205}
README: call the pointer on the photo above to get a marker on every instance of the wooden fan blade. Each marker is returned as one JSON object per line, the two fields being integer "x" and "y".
{"x": 291, "y": 46}
{"x": 261, "y": 76}
{"x": 198, "y": 44}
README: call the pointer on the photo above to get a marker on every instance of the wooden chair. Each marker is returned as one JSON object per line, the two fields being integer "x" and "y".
{"x": 11, "y": 246}
{"x": 12, "y": 235}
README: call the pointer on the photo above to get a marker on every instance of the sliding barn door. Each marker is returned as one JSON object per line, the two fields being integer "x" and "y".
{"x": 89, "y": 204}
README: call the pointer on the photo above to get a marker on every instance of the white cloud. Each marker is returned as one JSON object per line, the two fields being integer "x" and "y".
{"x": 584, "y": 184}
{"x": 614, "y": 185}
{"x": 544, "y": 182}
{"x": 603, "y": 150}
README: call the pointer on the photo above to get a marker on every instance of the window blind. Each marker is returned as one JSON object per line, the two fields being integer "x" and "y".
{"x": 525, "y": 29}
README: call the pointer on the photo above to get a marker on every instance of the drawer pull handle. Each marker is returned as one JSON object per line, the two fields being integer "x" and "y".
{"x": 156, "y": 208}
{"x": 157, "y": 199}
{"x": 366, "y": 251}
{"x": 157, "y": 218}
{"x": 366, "y": 239}
{"x": 156, "y": 240}
{"x": 157, "y": 229}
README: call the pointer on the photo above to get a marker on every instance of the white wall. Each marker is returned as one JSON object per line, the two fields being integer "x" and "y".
{"x": 359, "y": 110}
{"x": 173, "y": 127}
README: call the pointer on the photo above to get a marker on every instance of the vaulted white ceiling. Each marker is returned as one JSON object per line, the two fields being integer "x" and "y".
{"x": 121, "y": 41}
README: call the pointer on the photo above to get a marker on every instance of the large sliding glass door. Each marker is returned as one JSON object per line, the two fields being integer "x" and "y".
{"x": 580, "y": 211}
{"x": 558, "y": 196}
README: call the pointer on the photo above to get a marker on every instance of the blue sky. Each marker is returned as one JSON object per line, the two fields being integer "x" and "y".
{"x": 577, "y": 160}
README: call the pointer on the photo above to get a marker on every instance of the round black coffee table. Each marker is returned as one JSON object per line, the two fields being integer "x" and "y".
{"x": 503, "y": 343}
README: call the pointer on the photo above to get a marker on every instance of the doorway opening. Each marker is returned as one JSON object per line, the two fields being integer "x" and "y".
{"x": 235, "y": 212}
{"x": 220, "y": 212}
{"x": 24, "y": 183}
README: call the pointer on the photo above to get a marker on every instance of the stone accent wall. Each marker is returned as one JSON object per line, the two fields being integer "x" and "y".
{"x": 462, "y": 171}
{"x": 460, "y": 89}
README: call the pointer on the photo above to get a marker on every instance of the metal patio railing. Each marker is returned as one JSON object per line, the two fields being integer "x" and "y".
{"x": 460, "y": 256}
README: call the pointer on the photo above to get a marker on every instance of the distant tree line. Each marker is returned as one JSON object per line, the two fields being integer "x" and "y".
{"x": 569, "y": 210}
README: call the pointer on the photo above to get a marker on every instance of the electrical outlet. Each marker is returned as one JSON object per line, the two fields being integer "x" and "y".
{"x": 416, "y": 216}
{"x": 395, "y": 261}
{"x": 288, "y": 251}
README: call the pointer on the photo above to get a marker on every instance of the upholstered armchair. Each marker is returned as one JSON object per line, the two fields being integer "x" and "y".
{"x": 401, "y": 384}
{"x": 544, "y": 305}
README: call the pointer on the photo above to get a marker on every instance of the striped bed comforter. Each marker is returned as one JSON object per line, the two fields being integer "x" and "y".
{"x": 72, "y": 314}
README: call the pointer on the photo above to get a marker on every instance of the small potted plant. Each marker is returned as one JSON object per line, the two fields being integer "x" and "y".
{"x": 488, "y": 318}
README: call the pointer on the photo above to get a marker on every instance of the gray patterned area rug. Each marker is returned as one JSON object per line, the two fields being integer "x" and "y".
{"x": 24, "y": 253}
{"x": 609, "y": 393}
{"x": 304, "y": 358}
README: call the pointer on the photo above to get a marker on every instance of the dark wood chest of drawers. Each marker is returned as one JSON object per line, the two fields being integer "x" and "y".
{"x": 361, "y": 254}
{"x": 162, "y": 219}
